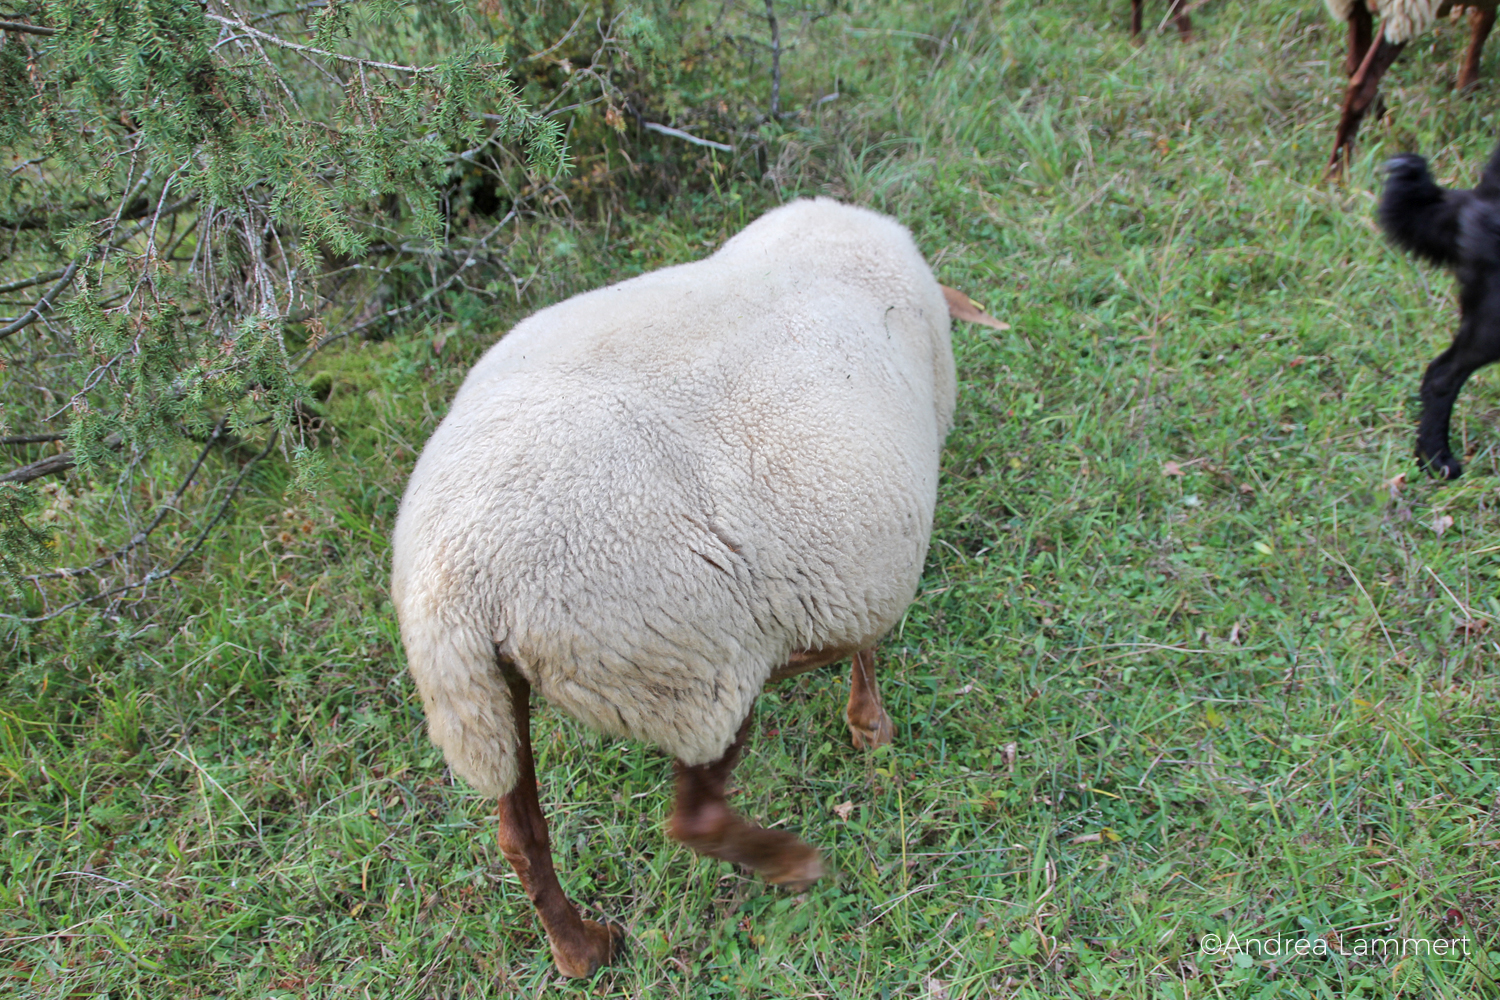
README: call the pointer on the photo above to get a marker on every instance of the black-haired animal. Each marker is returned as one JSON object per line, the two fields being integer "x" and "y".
{"x": 1461, "y": 230}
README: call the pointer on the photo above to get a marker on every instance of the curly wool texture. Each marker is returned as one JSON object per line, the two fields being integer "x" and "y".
{"x": 649, "y": 496}
{"x": 1402, "y": 20}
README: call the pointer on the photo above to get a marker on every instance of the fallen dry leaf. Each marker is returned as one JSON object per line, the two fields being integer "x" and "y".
{"x": 843, "y": 809}
{"x": 1087, "y": 838}
{"x": 1172, "y": 469}
{"x": 960, "y": 306}
{"x": 1008, "y": 754}
{"x": 1441, "y": 523}
{"x": 1395, "y": 484}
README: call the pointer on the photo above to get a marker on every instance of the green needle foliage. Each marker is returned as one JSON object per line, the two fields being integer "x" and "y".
{"x": 190, "y": 171}
{"x": 200, "y": 197}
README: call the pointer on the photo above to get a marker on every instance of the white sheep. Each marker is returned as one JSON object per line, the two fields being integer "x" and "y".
{"x": 648, "y": 500}
{"x": 1400, "y": 21}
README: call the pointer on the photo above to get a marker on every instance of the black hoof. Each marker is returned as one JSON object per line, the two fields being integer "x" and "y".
{"x": 1444, "y": 467}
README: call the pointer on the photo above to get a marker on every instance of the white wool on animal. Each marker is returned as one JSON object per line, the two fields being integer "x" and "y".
{"x": 1403, "y": 19}
{"x": 649, "y": 496}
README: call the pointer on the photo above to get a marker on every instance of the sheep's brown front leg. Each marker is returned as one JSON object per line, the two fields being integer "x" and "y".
{"x": 1363, "y": 87}
{"x": 869, "y": 726}
{"x": 579, "y": 947}
{"x": 703, "y": 821}
{"x": 1481, "y": 23}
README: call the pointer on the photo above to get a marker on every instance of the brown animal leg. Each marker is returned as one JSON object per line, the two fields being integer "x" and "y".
{"x": 1184, "y": 22}
{"x": 579, "y": 947}
{"x": 1135, "y": 18}
{"x": 1481, "y": 21}
{"x": 1361, "y": 94}
{"x": 703, "y": 821}
{"x": 1361, "y": 26}
{"x": 869, "y": 726}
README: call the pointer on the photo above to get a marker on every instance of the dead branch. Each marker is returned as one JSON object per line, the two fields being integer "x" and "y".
{"x": 309, "y": 50}
{"x": 36, "y": 279}
{"x": 775, "y": 61}
{"x": 50, "y": 466}
{"x": 167, "y": 506}
{"x": 53, "y": 464}
{"x": 26, "y": 29}
{"x": 31, "y": 438}
{"x": 33, "y": 314}
{"x": 156, "y": 575}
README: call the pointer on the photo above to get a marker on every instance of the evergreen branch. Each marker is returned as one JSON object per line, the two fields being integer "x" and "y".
{"x": 309, "y": 50}
{"x": 24, "y": 28}
{"x": 168, "y": 506}
{"x": 155, "y": 575}
{"x": 65, "y": 277}
{"x": 42, "y": 305}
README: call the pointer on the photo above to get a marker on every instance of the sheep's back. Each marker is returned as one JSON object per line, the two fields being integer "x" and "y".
{"x": 653, "y": 493}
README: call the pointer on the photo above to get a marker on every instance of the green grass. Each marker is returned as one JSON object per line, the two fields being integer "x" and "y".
{"x": 1189, "y": 658}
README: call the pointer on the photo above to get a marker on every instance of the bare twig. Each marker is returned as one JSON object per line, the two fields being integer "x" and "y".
{"x": 35, "y": 279}
{"x": 31, "y": 438}
{"x": 156, "y": 575}
{"x": 44, "y": 303}
{"x": 50, "y": 466}
{"x": 26, "y": 29}
{"x": 775, "y": 61}
{"x": 678, "y": 133}
{"x": 308, "y": 49}
{"x": 53, "y": 464}
{"x": 559, "y": 43}
{"x": 167, "y": 506}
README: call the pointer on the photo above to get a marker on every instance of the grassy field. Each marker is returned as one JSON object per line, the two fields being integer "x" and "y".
{"x": 1198, "y": 653}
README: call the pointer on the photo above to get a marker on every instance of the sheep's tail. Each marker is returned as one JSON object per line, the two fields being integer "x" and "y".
{"x": 470, "y": 712}
{"x": 1418, "y": 215}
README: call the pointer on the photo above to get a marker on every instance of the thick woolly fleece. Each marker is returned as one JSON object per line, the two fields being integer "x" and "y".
{"x": 647, "y": 497}
{"x": 1403, "y": 19}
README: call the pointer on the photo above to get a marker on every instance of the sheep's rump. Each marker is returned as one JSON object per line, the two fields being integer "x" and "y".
{"x": 648, "y": 496}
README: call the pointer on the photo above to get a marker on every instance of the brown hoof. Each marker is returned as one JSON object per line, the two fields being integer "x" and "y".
{"x": 867, "y": 734}
{"x": 796, "y": 868}
{"x": 580, "y": 959}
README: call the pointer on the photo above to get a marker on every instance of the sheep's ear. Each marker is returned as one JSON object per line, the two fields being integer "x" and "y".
{"x": 960, "y": 306}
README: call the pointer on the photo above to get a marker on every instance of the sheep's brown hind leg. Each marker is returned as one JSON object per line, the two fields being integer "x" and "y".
{"x": 1183, "y": 19}
{"x": 1481, "y": 23}
{"x": 579, "y": 947}
{"x": 869, "y": 726}
{"x": 703, "y": 821}
{"x": 1361, "y": 27}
